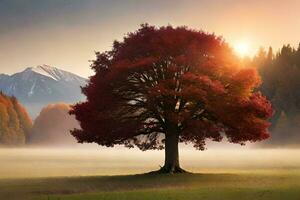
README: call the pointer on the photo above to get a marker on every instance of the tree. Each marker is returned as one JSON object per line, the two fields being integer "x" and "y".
{"x": 15, "y": 123}
{"x": 280, "y": 75}
{"x": 52, "y": 126}
{"x": 161, "y": 86}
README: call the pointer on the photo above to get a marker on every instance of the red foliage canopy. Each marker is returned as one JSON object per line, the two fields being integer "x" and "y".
{"x": 169, "y": 80}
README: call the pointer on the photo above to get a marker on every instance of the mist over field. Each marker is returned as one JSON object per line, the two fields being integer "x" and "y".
{"x": 93, "y": 160}
{"x": 143, "y": 100}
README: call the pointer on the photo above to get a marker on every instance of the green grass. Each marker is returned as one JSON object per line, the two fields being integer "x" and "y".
{"x": 250, "y": 185}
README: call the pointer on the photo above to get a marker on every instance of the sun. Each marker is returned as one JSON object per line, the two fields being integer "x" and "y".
{"x": 242, "y": 48}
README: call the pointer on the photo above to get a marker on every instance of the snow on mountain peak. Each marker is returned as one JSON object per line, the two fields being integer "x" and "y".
{"x": 44, "y": 70}
{"x": 55, "y": 73}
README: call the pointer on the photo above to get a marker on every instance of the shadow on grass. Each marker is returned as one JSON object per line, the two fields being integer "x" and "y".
{"x": 73, "y": 185}
{"x": 151, "y": 184}
{"x": 148, "y": 181}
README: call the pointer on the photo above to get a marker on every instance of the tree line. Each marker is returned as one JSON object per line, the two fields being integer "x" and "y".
{"x": 280, "y": 74}
{"x": 51, "y": 127}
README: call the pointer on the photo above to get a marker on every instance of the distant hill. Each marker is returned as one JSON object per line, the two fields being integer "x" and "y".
{"x": 15, "y": 124}
{"x": 36, "y": 87}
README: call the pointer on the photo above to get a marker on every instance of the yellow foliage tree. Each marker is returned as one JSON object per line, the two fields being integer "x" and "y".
{"x": 15, "y": 123}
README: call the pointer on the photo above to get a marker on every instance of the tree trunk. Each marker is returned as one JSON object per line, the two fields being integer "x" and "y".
{"x": 171, "y": 154}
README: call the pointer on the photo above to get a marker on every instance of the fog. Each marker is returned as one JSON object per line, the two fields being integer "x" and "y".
{"x": 286, "y": 133}
{"x": 90, "y": 161}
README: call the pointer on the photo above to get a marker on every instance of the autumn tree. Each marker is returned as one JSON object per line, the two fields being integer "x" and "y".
{"x": 162, "y": 86}
{"x": 52, "y": 126}
{"x": 15, "y": 123}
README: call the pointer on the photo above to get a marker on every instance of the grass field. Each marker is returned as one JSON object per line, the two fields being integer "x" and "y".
{"x": 41, "y": 174}
{"x": 281, "y": 184}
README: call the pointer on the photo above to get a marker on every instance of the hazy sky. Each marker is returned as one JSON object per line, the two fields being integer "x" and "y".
{"x": 65, "y": 33}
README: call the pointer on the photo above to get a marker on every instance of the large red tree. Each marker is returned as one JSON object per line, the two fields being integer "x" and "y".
{"x": 162, "y": 86}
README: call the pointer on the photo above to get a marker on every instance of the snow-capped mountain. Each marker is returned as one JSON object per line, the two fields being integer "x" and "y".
{"x": 35, "y": 87}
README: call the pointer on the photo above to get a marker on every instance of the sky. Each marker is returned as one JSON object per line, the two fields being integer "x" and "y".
{"x": 66, "y": 33}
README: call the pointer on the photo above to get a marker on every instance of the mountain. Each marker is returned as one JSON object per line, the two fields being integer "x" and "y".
{"x": 36, "y": 87}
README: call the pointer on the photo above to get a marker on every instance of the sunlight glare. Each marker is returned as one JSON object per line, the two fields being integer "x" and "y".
{"x": 242, "y": 48}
